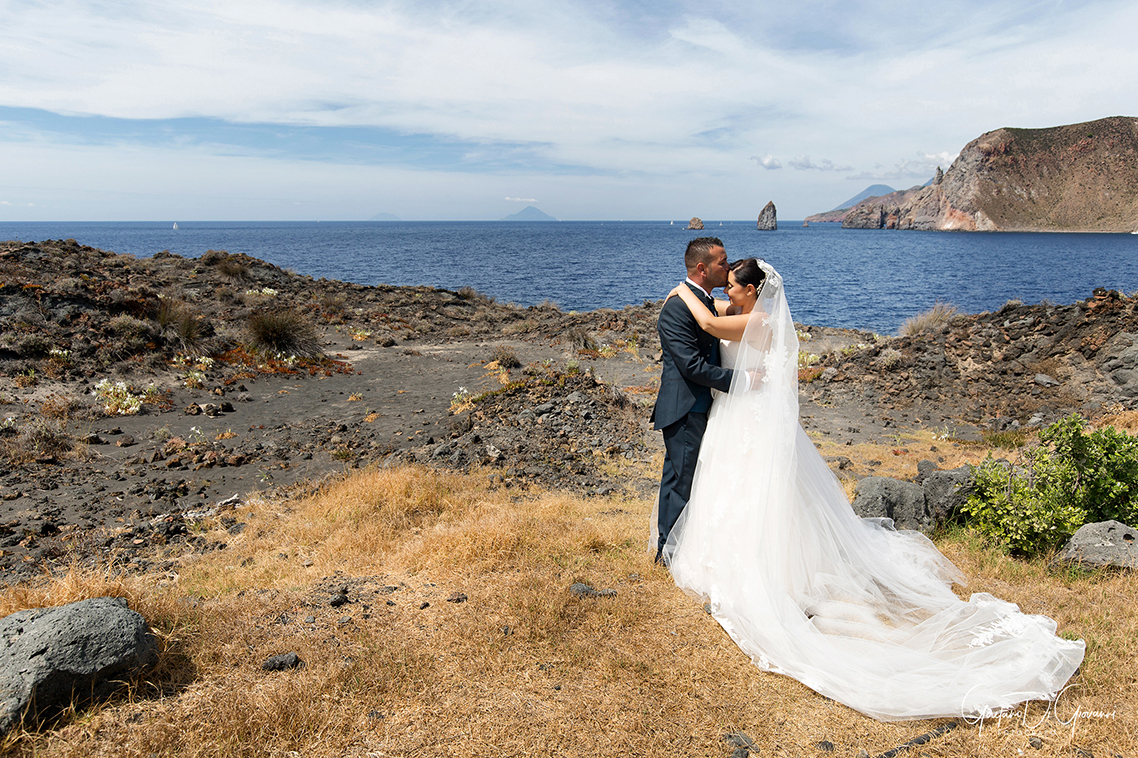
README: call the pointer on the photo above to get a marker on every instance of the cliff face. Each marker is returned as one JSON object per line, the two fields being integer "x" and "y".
{"x": 1081, "y": 177}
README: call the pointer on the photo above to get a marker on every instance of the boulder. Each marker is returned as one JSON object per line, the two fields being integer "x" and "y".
{"x": 1102, "y": 544}
{"x": 768, "y": 220}
{"x": 51, "y": 655}
{"x": 904, "y": 502}
{"x": 1123, "y": 366}
{"x": 695, "y": 223}
{"x": 283, "y": 662}
{"x": 946, "y": 492}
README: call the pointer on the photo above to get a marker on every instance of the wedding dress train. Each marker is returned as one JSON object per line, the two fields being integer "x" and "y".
{"x": 849, "y": 607}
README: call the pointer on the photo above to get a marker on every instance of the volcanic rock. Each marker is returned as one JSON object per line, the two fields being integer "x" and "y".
{"x": 904, "y": 502}
{"x": 1102, "y": 544}
{"x": 52, "y": 655}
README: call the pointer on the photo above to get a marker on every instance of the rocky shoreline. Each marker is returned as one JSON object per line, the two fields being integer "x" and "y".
{"x": 533, "y": 396}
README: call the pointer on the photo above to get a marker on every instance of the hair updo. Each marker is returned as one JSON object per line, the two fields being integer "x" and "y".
{"x": 747, "y": 271}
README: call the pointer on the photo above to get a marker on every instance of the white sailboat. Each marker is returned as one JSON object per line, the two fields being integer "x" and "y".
{"x": 175, "y": 224}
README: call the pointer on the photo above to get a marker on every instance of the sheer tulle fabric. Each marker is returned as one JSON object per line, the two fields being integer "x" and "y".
{"x": 851, "y": 608}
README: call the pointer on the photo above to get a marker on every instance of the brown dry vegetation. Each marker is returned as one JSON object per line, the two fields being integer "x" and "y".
{"x": 522, "y": 667}
{"x": 934, "y": 318}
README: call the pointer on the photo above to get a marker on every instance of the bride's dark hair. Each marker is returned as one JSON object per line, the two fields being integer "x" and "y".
{"x": 747, "y": 271}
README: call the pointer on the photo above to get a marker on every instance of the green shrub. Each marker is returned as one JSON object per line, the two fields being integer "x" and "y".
{"x": 1105, "y": 464}
{"x": 1072, "y": 478}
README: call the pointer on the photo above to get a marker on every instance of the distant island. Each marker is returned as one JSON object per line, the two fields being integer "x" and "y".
{"x": 385, "y": 217}
{"x": 876, "y": 190}
{"x": 529, "y": 213}
{"x": 1074, "y": 178}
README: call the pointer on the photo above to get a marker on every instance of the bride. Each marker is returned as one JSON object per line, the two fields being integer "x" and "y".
{"x": 850, "y": 607}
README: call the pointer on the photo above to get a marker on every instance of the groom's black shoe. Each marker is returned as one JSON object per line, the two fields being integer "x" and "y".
{"x": 660, "y": 560}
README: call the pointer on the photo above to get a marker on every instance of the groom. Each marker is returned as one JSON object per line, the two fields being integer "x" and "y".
{"x": 690, "y": 370}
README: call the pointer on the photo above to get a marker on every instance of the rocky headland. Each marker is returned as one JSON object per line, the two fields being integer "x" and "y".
{"x": 1079, "y": 177}
{"x": 139, "y": 396}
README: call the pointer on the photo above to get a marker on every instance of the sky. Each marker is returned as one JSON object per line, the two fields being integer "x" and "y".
{"x": 165, "y": 110}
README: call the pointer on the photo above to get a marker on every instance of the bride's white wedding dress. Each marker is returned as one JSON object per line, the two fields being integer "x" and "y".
{"x": 848, "y": 606}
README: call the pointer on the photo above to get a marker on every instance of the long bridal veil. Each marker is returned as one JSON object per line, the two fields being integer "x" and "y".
{"x": 850, "y": 607}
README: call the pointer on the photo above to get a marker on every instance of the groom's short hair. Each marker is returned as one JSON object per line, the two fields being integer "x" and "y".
{"x": 699, "y": 251}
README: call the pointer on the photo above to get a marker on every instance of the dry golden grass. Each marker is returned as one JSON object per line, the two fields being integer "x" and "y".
{"x": 60, "y": 407}
{"x": 934, "y": 318}
{"x": 900, "y": 457}
{"x": 1122, "y": 420}
{"x": 522, "y": 667}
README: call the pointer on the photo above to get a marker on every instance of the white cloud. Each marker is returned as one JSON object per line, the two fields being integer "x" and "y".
{"x": 803, "y": 163}
{"x": 521, "y": 199}
{"x": 642, "y": 102}
{"x": 923, "y": 168}
{"x": 768, "y": 161}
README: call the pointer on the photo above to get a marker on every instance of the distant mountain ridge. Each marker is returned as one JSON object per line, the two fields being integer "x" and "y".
{"x": 385, "y": 217}
{"x": 876, "y": 190}
{"x": 1078, "y": 177}
{"x": 838, "y": 214}
{"x": 529, "y": 213}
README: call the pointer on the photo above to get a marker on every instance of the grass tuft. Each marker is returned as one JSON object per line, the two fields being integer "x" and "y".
{"x": 505, "y": 357}
{"x": 234, "y": 269}
{"x": 43, "y": 439}
{"x": 889, "y": 358}
{"x": 1008, "y": 439}
{"x": 280, "y": 331}
{"x": 333, "y": 303}
{"x": 932, "y": 320}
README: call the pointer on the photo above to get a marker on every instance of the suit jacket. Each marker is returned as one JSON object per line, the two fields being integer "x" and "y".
{"x": 690, "y": 363}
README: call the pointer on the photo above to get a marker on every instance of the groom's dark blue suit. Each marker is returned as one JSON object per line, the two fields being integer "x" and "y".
{"x": 690, "y": 370}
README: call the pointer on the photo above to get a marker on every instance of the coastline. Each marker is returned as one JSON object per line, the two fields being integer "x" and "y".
{"x": 409, "y": 372}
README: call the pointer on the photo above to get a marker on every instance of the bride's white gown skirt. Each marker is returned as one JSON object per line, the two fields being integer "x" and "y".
{"x": 849, "y": 607}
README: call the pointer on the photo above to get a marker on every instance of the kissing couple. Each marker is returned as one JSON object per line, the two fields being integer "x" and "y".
{"x": 751, "y": 521}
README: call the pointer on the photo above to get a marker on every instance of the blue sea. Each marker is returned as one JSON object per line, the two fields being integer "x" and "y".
{"x": 863, "y": 279}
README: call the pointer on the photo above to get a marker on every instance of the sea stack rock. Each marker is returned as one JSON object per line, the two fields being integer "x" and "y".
{"x": 695, "y": 223}
{"x": 768, "y": 221}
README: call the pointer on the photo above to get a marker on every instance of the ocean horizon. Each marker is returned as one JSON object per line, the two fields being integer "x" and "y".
{"x": 853, "y": 278}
